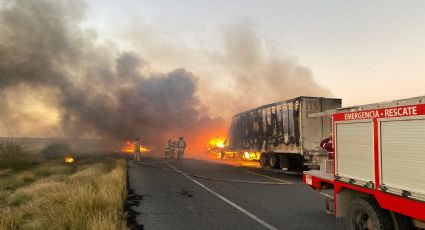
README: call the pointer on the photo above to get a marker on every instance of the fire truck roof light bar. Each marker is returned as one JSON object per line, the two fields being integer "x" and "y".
{"x": 386, "y": 104}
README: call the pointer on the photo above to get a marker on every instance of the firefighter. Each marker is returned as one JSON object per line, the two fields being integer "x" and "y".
{"x": 173, "y": 149}
{"x": 137, "y": 149}
{"x": 327, "y": 144}
{"x": 167, "y": 152}
{"x": 181, "y": 146}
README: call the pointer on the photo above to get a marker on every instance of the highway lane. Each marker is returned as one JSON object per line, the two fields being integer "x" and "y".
{"x": 173, "y": 201}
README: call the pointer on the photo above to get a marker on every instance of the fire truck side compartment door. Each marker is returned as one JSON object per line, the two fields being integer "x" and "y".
{"x": 354, "y": 151}
{"x": 402, "y": 153}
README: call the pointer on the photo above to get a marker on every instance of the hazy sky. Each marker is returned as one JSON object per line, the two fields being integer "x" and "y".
{"x": 219, "y": 57}
{"x": 362, "y": 51}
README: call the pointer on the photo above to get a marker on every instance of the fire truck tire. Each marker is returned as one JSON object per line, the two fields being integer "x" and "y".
{"x": 274, "y": 161}
{"x": 264, "y": 160}
{"x": 365, "y": 213}
{"x": 400, "y": 222}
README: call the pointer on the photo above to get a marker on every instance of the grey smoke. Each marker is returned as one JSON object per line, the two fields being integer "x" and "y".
{"x": 260, "y": 72}
{"x": 98, "y": 90}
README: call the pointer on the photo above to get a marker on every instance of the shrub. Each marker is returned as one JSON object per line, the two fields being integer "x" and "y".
{"x": 56, "y": 150}
{"x": 14, "y": 156}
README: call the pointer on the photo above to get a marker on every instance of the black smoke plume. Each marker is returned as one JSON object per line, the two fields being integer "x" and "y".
{"x": 95, "y": 89}
{"x": 54, "y": 71}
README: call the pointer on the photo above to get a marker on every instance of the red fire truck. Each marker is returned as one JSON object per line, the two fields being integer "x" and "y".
{"x": 377, "y": 179}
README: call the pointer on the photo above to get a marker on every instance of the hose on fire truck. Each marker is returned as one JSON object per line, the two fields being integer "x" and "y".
{"x": 210, "y": 178}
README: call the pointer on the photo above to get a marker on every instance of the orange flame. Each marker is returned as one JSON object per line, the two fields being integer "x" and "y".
{"x": 217, "y": 143}
{"x": 69, "y": 160}
{"x": 215, "y": 147}
{"x": 129, "y": 148}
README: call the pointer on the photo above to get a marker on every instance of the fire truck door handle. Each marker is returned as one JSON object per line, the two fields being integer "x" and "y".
{"x": 369, "y": 184}
{"x": 405, "y": 193}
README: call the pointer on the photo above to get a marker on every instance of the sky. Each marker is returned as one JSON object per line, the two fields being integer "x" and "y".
{"x": 75, "y": 68}
{"x": 361, "y": 51}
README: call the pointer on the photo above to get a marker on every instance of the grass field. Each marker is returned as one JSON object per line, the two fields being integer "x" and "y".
{"x": 36, "y": 193}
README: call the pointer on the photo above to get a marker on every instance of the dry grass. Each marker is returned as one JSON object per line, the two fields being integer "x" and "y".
{"x": 53, "y": 195}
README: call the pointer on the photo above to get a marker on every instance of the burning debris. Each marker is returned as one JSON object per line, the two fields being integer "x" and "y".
{"x": 251, "y": 156}
{"x": 215, "y": 147}
{"x": 129, "y": 148}
{"x": 69, "y": 160}
{"x": 217, "y": 142}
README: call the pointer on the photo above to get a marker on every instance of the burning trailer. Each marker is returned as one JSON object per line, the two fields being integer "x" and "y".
{"x": 281, "y": 135}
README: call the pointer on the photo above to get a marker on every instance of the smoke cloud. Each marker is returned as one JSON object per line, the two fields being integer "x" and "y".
{"x": 95, "y": 89}
{"x": 59, "y": 79}
{"x": 257, "y": 72}
{"x": 239, "y": 68}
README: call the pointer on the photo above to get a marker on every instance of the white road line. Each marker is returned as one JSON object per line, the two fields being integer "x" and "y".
{"x": 272, "y": 178}
{"x": 252, "y": 216}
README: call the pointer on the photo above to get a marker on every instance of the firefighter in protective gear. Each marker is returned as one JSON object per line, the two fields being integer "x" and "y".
{"x": 167, "y": 152}
{"x": 173, "y": 148}
{"x": 181, "y": 146}
{"x": 327, "y": 144}
{"x": 137, "y": 149}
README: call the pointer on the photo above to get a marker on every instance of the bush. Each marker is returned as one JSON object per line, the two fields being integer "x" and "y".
{"x": 14, "y": 156}
{"x": 56, "y": 150}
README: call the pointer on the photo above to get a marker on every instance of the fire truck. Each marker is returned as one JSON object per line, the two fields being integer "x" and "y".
{"x": 281, "y": 135}
{"x": 376, "y": 180}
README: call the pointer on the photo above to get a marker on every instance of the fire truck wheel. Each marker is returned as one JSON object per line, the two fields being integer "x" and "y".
{"x": 274, "y": 161}
{"x": 263, "y": 160}
{"x": 365, "y": 213}
{"x": 400, "y": 222}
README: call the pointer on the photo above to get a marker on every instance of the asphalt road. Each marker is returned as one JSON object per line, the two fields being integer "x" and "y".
{"x": 163, "y": 199}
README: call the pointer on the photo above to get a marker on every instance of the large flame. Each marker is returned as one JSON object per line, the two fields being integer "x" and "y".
{"x": 216, "y": 143}
{"x": 129, "y": 148}
{"x": 216, "y": 146}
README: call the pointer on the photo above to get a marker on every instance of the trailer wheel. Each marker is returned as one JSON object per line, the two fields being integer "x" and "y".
{"x": 263, "y": 160}
{"x": 274, "y": 161}
{"x": 366, "y": 214}
{"x": 400, "y": 222}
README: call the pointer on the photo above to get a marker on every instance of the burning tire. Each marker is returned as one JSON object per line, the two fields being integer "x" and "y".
{"x": 366, "y": 214}
{"x": 274, "y": 161}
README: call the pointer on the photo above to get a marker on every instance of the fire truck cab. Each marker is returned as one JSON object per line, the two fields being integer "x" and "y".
{"x": 376, "y": 180}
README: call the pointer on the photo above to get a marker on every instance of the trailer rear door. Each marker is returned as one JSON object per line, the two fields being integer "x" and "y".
{"x": 402, "y": 152}
{"x": 354, "y": 147}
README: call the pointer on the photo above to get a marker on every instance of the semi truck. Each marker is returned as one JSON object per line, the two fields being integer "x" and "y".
{"x": 281, "y": 135}
{"x": 377, "y": 179}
